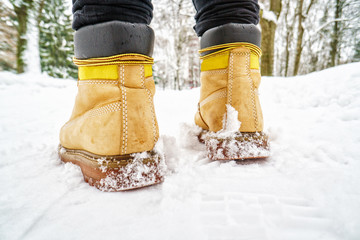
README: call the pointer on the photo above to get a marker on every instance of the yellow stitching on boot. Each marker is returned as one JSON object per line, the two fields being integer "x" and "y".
{"x": 142, "y": 75}
{"x": 123, "y": 107}
{"x": 216, "y": 71}
{"x": 252, "y": 90}
{"x": 229, "y": 46}
{"x": 126, "y": 112}
{"x": 240, "y": 53}
{"x": 84, "y": 82}
{"x": 214, "y": 96}
{"x": 112, "y": 107}
{"x": 255, "y": 70}
{"x": 122, "y": 83}
{"x": 95, "y": 160}
{"x": 202, "y": 119}
{"x": 126, "y": 59}
{"x": 230, "y": 78}
{"x": 116, "y": 57}
{"x": 121, "y": 100}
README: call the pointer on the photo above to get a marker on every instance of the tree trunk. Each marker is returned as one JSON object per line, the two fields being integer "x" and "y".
{"x": 178, "y": 46}
{"x": 300, "y": 33}
{"x": 22, "y": 13}
{"x": 268, "y": 28}
{"x": 287, "y": 54}
{"x": 267, "y": 46}
{"x": 8, "y": 38}
{"x": 335, "y": 36}
{"x": 289, "y": 37}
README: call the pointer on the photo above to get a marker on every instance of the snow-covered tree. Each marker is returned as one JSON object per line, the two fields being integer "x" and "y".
{"x": 323, "y": 34}
{"x": 56, "y": 40}
{"x": 21, "y": 9}
{"x": 176, "y": 44}
{"x": 8, "y": 36}
{"x": 299, "y": 36}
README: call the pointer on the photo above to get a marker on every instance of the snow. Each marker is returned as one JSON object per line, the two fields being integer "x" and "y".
{"x": 231, "y": 124}
{"x": 308, "y": 189}
{"x": 135, "y": 174}
{"x": 229, "y": 143}
{"x": 7, "y": 3}
{"x": 269, "y": 15}
{"x": 31, "y": 54}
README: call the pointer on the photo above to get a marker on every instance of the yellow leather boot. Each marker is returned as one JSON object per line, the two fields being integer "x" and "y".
{"x": 113, "y": 129}
{"x": 229, "y": 108}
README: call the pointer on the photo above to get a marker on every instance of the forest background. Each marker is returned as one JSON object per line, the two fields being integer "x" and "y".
{"x": 298, "y": 37}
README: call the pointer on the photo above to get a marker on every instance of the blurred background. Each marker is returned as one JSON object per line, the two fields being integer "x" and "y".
{"x": 298, "y": 37}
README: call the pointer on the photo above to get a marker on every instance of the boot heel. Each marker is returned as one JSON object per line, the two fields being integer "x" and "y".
{"x": 240, "y": 146}
{"x": 117, "y": 173}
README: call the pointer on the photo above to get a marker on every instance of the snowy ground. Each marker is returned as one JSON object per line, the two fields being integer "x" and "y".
{"x": 308, "y": 189}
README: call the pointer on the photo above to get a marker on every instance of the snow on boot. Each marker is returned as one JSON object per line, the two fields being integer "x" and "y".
{"x": 229, "y": 109}
{"x": 113, "y": 129}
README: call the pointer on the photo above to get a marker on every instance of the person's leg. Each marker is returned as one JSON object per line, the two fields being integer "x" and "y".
{"x": 230, "y": 78}
{"x": 110, "y": 27}
{"x": 88, "y": 12}
{"x": 226, "y": 21}
{"x": 113, "y": 130}
{"x": 214, "y": 13}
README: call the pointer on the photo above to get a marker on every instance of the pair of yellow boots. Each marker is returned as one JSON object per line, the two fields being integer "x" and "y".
{"x": 113, "y": 129}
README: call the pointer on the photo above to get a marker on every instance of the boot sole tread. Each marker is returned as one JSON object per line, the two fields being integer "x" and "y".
{"x": 116, "y": 173}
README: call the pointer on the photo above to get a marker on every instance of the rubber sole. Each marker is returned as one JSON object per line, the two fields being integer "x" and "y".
{"x": 237, "y": 146}
{"x": 117, "y": 173}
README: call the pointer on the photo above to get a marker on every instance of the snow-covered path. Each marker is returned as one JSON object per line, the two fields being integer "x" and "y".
{"x": 308, "y": 189}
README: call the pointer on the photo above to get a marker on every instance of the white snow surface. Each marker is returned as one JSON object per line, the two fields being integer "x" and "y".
{"x": 308, "y": 188}
{"x": 269, "y": 15}
{"x": 231, "y": 124}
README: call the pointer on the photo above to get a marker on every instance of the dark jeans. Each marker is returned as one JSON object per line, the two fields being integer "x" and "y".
{"x": 210, "y": 13}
